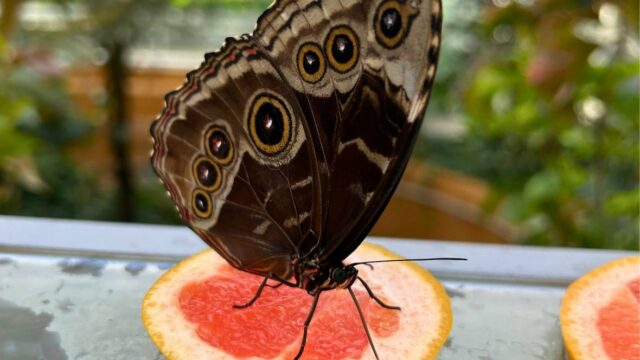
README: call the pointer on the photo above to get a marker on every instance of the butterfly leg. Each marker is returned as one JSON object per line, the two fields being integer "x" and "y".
{"x": 374, "y": 297}
{"x": 316, "y": 297}
{"x": 256, "y": 296}
{"x": 275, "y": 286}
{"x": 364, "y": 322}
{"x": 261, "y": 287}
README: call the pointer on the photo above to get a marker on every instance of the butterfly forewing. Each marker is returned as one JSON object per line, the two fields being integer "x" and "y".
{"x": 404, "y": 68}
{"x": 363, "y": 72}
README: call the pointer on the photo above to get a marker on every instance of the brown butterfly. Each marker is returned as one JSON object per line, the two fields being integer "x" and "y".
{"x": 282, "y": 149}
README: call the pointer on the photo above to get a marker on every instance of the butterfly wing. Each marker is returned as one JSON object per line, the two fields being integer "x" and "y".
{"x": 362, "y": 71}
{"x": 231, "y": 148}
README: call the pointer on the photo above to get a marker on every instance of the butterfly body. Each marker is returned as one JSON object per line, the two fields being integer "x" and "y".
{"x": 283, "y": 148}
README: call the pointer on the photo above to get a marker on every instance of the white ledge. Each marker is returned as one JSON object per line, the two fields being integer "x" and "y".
{"x": 510, "y": 263}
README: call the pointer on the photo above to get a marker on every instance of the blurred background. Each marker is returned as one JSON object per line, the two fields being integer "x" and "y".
{"x": 531, "y": 136}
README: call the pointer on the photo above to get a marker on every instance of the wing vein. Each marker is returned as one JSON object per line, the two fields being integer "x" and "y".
{"x": 270, "y": 217}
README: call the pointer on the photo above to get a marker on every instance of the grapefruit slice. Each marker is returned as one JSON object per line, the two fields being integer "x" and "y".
{"x": 189, "y": 313}
{"x": 600, "y": 313}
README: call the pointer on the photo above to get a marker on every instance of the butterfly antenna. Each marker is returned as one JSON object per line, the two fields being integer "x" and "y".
{"x": 401, "y": 260}
{"x": 364, "y": 322}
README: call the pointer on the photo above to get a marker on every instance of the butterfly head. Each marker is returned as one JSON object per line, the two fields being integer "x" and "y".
{"x": 315, "y": 278}
{"x": 343, "y": 275}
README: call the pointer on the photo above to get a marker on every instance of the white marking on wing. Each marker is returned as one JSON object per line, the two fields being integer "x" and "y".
{"x": 262, "y": 228}
{"x": 292, "y": 221}
{"x": 379, "y": 160}
{"x": 302, "y": 183}
{"x": 368, "y": 196}
{"x": 268, "y": 197}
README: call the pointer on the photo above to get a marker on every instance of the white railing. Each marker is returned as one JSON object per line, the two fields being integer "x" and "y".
{"x": 74, "y": 288}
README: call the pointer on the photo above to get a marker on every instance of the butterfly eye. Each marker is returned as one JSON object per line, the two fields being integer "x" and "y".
{"x": 201, "y": 204}
{"x": 392, "y": 22}
{"x": 219, "y": 146}
{"x": 311, "y": 64}
{"x": 342, "y": 48}
{"x": 207, "y": 174}
{"x": 269, "y": 124}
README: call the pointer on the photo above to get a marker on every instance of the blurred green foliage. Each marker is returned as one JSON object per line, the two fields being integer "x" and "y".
{"x": 229, "y": 4}
{"x": 546, "y": 92}
{"x": 37, "y": 126}
{"x": 551, "y": 110}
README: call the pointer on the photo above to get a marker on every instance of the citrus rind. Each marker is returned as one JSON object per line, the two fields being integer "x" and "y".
{"x": 425, "y": 318}
{"x": 583, "y": 300}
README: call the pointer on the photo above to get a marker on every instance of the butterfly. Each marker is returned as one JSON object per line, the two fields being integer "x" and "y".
{"x": 283, "y": 148}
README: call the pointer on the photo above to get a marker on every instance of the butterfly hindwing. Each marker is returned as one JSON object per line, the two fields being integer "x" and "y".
{"x": 232, "y": 149}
